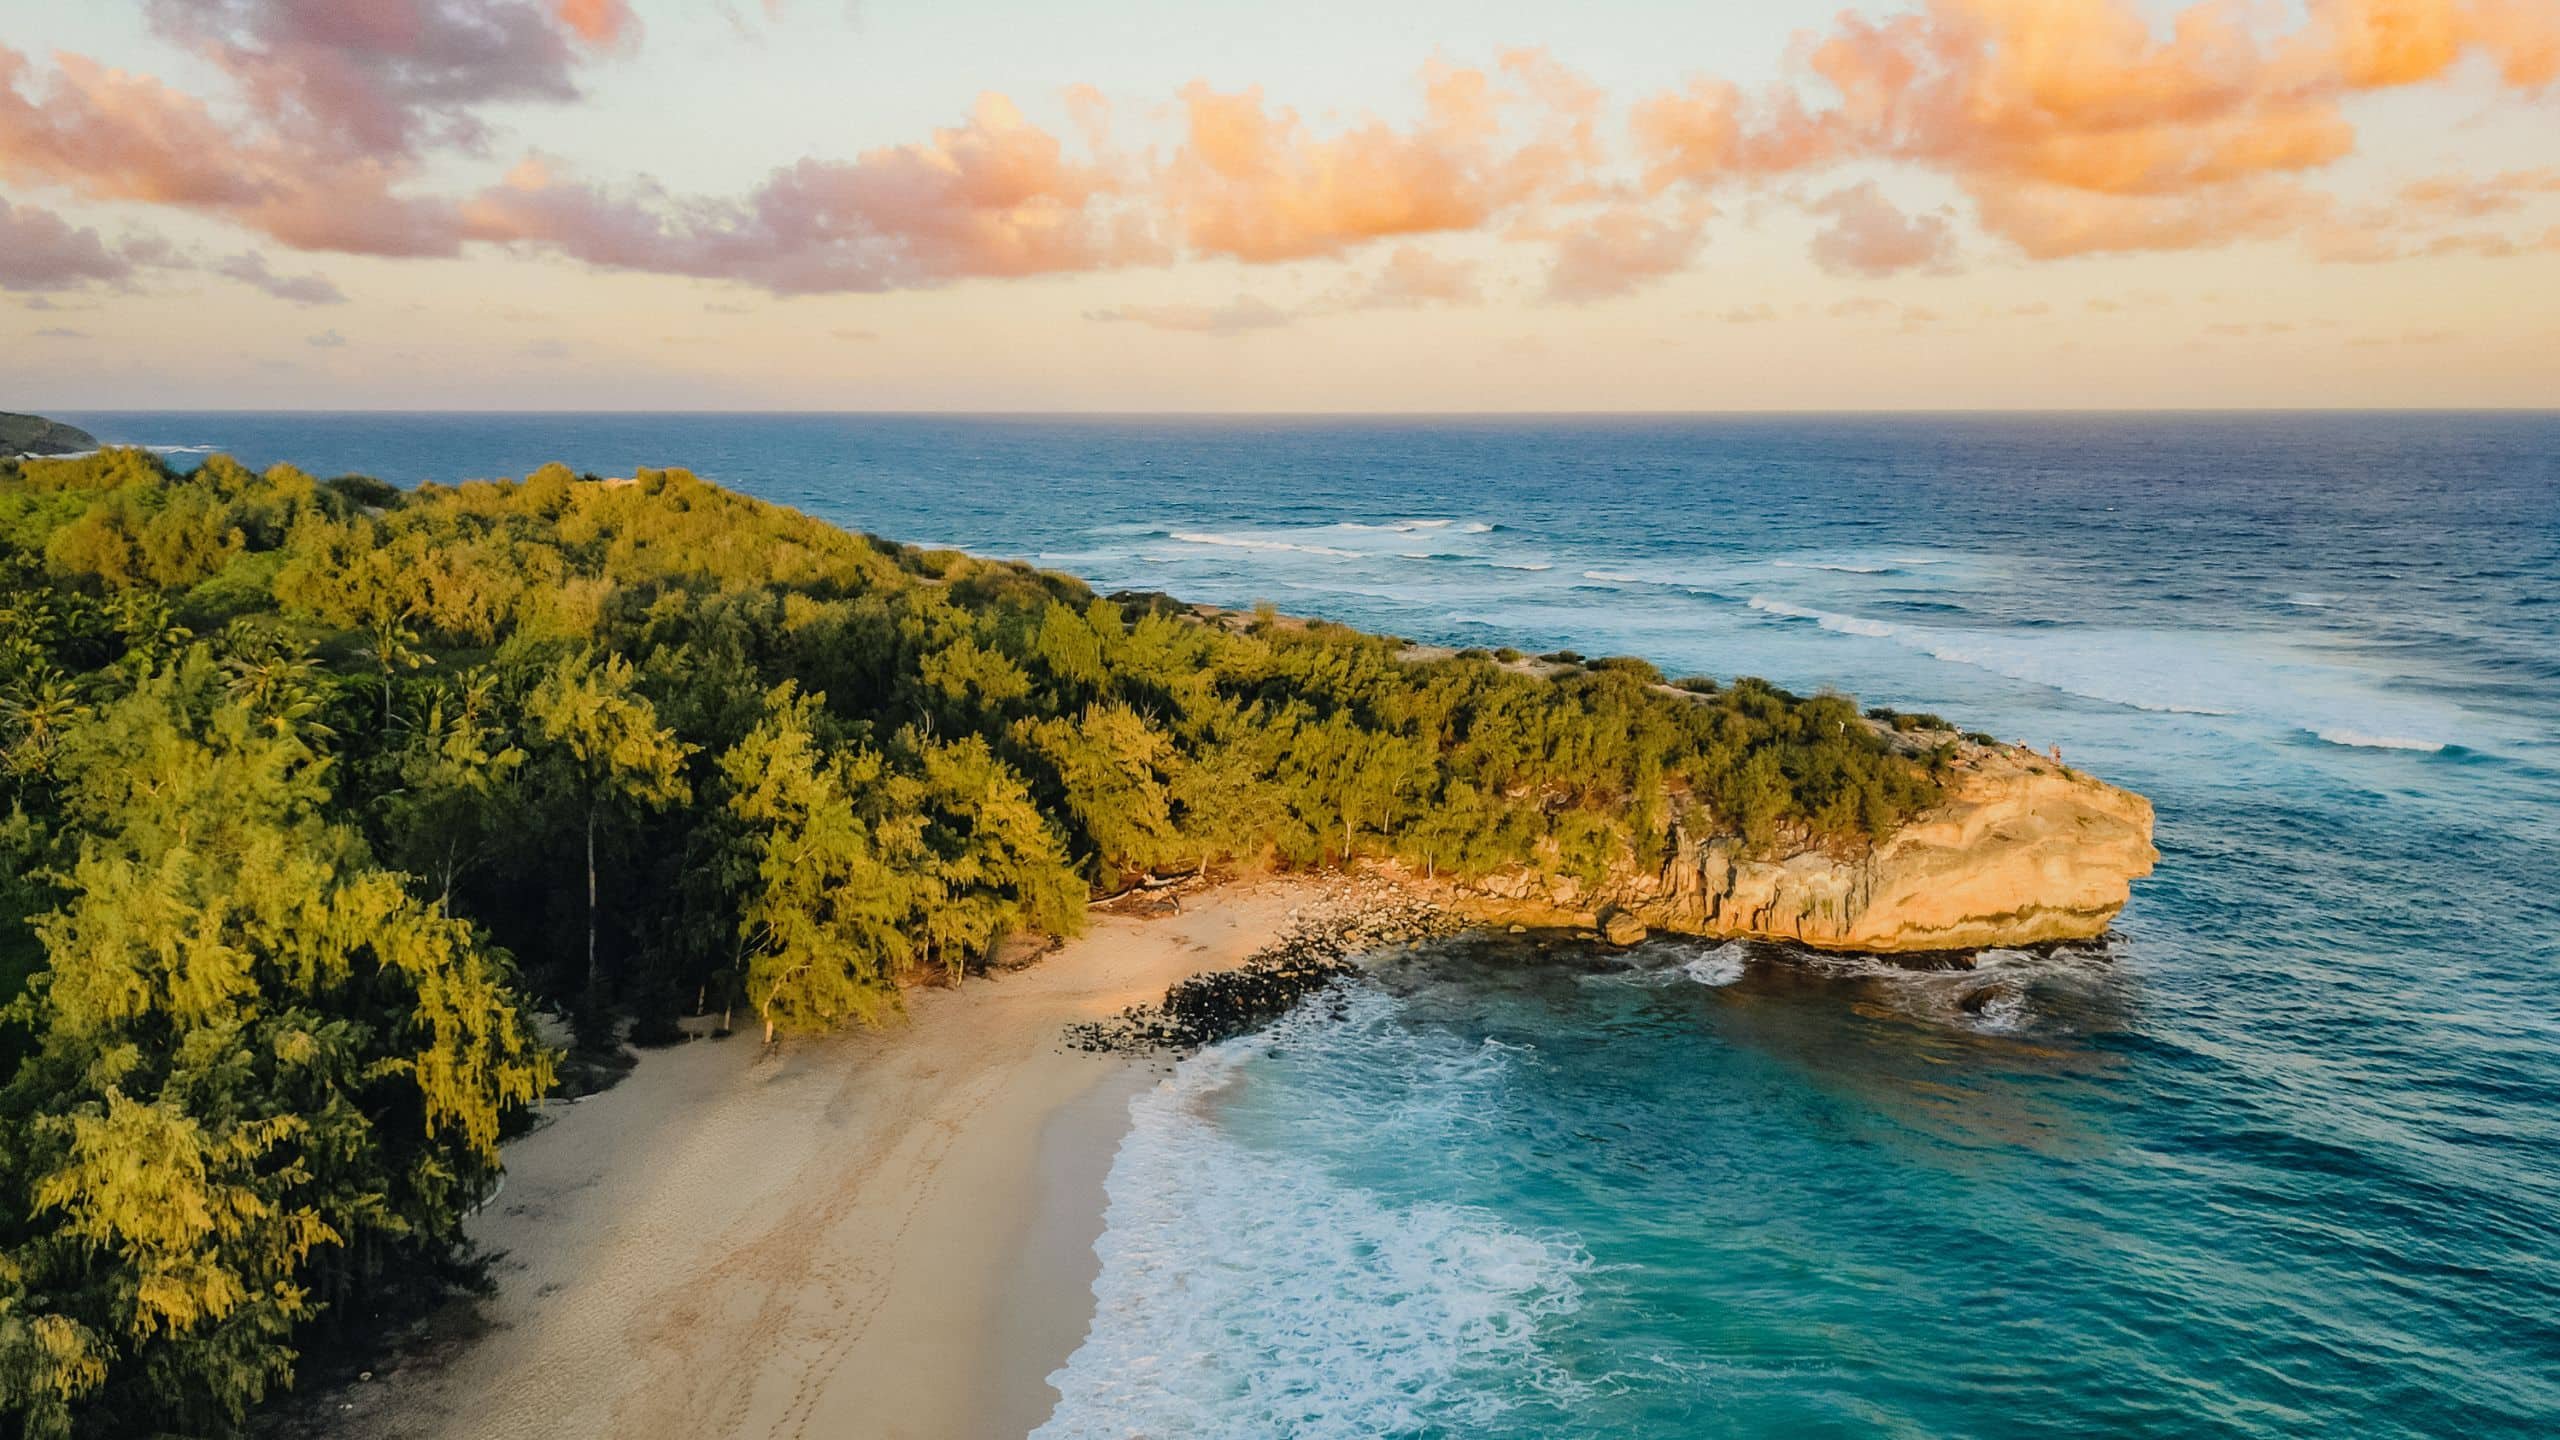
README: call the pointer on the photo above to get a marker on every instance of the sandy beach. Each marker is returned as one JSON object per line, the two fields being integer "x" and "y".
{"x": 884, "y": 1234}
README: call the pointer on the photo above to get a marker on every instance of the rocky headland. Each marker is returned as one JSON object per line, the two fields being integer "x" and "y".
{"x": 2021, "y": 851}
{"x": 35, "y": 435}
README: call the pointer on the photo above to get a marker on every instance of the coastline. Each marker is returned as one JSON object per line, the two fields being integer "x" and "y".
{"x": 886, "y": 1233}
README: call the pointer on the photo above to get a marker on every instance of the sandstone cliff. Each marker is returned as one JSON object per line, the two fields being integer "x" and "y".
{"x": 2021, "y": 852}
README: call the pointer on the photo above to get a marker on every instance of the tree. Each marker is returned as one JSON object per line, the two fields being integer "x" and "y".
{"x": 1112, "y": 765}
{"x": 832, "y": 898}
{"x": 999, "y": 863}
{"x": 391, "y": 647}
{"x": 263, "y": 1073}
{"x": 598, "y": 743}
{"x": 456, "y": 774}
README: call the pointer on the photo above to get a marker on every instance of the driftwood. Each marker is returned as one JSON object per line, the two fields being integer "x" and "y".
{"x": 1146, "y": 883}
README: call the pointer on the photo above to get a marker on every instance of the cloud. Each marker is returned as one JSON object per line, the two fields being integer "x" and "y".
{"x": 108, "y": 135}
{"x": 2462, "y": 197}
{"x": 995, "y": 196}
{"x": 61, "y": 332}
{"x": 344, "y": 97}
{"x": 1759, "y": 314}
{"x": 2077, "y": 126}
{"x": 1909, "y": 318}
{"x": 1412, "y": 277}
{"x": 250, "y": 268}
{"x": 326, "y": 340}
{"x": 40, "y": 251}
{"x": 1239, "y": 316}
{"x": 1620, "y": 250}
{"x": 2069, "y": 127}
{"x": 393, "y": 77}
{"x": 1867, "y": 236}
{"x": 607, "y": 22}
{"x": 1253, "y": 183}
{"x": 2405, "y": 337}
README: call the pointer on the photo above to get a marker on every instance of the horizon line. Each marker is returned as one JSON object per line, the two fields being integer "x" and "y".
{"x": 1311, "y": 414}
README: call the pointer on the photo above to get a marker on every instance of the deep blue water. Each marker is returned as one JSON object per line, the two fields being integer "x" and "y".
{"x": 2282, "y": 1158}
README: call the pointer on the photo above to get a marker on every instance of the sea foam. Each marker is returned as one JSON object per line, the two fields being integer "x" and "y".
{"x": 1246, "y": 542}
{"x": 1828, "y": 620}
{"x": 1248, "y": 1290}
{"x": 2359, "y": 740}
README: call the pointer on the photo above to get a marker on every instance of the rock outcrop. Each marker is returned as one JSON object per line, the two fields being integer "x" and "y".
{"x": 2021, "y": 851}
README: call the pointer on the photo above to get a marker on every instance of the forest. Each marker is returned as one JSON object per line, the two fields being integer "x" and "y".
{"x": 323, "y": 803}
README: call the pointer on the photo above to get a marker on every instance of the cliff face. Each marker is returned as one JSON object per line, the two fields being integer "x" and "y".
{"x": 2020, "y": 852}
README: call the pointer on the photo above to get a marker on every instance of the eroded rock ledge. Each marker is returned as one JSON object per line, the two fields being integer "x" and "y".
{"x": 2021, "y": 852}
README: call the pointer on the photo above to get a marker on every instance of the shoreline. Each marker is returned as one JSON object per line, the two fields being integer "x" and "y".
{"x": 885, "y": 1233}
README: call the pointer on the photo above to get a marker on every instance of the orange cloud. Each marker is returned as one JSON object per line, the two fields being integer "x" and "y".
{"x": 599, "y": 22}
{"x": 2464, "y": 197}
{"x": 1251, "y": 183}
{"x": 114, "y": 136}
{"x": 2076, "y": 125}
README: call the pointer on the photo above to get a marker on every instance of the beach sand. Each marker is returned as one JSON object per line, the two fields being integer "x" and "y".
{"x": 884, "y": 1235}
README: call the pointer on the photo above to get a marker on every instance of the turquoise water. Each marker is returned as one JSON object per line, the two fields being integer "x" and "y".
{"x": 2281, "y": 1157}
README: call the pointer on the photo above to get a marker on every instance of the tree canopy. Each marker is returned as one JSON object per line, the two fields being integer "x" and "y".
{"x": 311, "y": 793}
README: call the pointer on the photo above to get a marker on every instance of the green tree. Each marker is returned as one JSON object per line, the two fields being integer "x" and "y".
{"x": 262, "y": 1070}
{"x": 457, "y": 775}
{"x": 598, "y": 743}
{"x": 999, "y": 864}
{"x": 832, "y": 899}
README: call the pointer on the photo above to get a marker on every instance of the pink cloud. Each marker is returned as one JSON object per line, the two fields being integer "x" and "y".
{"x": 1413, "y": 277}
{"x": 1240, "y": 316}
{"x": 393, "y": 77}
{"x": 1868, "y": 236}
{"x": 996, "y": 196}
{"x": 1620, "y": 250}
{"x": 250, "y": 268}
{"x": 40, "y": 251}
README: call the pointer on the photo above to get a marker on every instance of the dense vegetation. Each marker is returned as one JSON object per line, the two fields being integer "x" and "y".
{"x": 311, "y": 794}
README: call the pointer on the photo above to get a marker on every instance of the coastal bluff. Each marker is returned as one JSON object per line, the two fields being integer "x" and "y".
{"x": 35, "y": 435}
{"x": 2020, "y": 851}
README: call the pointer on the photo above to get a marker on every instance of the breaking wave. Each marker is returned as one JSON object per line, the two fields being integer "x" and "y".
{"x": 1248, "y": 1291}
{"x": 1246, "y": 542}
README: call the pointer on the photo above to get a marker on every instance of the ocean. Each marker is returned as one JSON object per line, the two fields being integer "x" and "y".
{"x": 2280, "y": 1158}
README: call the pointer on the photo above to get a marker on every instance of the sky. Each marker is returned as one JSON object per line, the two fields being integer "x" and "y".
{"x": 1209, "y": 206}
